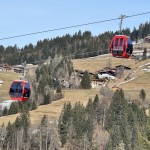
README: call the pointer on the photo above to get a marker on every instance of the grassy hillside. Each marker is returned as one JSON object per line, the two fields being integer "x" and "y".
{"x": 96, "y": 63}
{"x": 53, "y": 110}
{"x": 141, "y": 81}
{"x": 132, "y": 88}
{"x": 7, "y": 78}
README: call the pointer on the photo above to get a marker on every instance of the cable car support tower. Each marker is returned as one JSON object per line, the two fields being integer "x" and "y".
{"x": 121, "y": 17}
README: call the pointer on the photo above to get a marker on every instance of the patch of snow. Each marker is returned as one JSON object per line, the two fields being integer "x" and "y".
{"x": 6, "y": 103}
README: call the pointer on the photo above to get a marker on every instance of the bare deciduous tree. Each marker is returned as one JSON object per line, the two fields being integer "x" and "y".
{"x": 107, "y": 97}
{"x": 100, "y": 138}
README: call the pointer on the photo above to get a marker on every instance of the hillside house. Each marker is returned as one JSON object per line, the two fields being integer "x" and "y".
{"x": 5, "y": 67}
{"x": 80, "y": 73}
{"x": 1, "y": 82}
{"x": 95, "y": 83}
{"x": 111, "y": 72}
{"x": 1, "y": 68}
{"x": 147, "y": 39}
{"x": 106, "y": 73}
{"x": 123, "y": 67}
{"x": 105, "y": 76}
{"x": 147, "y": 68}
{"x": 18, "y": 68}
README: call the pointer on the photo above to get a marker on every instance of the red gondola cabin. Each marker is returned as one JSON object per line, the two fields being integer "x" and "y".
{"x": 121, "y": 46}
{"x": 20, "y": 90}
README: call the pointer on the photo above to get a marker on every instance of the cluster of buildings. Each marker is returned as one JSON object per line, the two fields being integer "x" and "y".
{"x": 5, "y": 67}
{"x": 16, "y": 68}
{"x": 100, "y": 77}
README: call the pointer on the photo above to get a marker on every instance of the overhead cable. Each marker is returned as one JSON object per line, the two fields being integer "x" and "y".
{"x": 68, "y": 27}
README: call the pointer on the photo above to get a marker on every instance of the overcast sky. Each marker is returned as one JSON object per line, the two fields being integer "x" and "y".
{"x": 27, "y": 16}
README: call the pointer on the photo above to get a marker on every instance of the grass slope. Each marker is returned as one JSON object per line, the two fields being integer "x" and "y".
{"x": 53, "y": 110}
{"x": 132, "y": 88}
{"x": 96, "y": 63}
{"x": 7, "y": 78}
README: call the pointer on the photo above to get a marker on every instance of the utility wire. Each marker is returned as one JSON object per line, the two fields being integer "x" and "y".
{"x": 68, "y": 27}
{"x": 138, "y": 14}
{"x": 57, "y": 29}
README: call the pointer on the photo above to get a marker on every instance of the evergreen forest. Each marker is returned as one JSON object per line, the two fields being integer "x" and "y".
{"x": 110, "y": 123}
{"x": 79, "y": 45}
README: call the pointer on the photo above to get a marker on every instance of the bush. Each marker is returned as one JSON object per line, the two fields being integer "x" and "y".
{"x": 14, "y": 108}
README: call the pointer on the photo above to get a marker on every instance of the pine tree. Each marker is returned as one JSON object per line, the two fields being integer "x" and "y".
{"x": 142, "y": 95}
{"x": 117, "y": 116}
{"x": 44, "y": 121}
{"x": 34, "y": 105}
{"x": 144, "y": 56}
{"x": 10, "y": 141}
{"x": 14, "y": 108}
{"x": 58, "y": 90}
{"x": 90, "y": 109}
{"x": 85, "y": 82}
{"x": 17, "y": 123}
{"x": 96, "y": 101}
{"x": 25, "y": 122}
{"x": 37, "y": 73}
{"x": 64, "y": 122}
{"x": 90, "y": 119}
{"x": 46, "y": 99}
{"x": 117, "y": 109}
{"x": 5, "y": 112}
{"x": 115, "y": 136}
{"x": 134, "y": 137}
{"x": 79, "y": 120}
{"x": 134, "y": 35}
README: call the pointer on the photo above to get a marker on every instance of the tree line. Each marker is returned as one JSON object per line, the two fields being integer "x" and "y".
{"x": 78, "y": 45}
